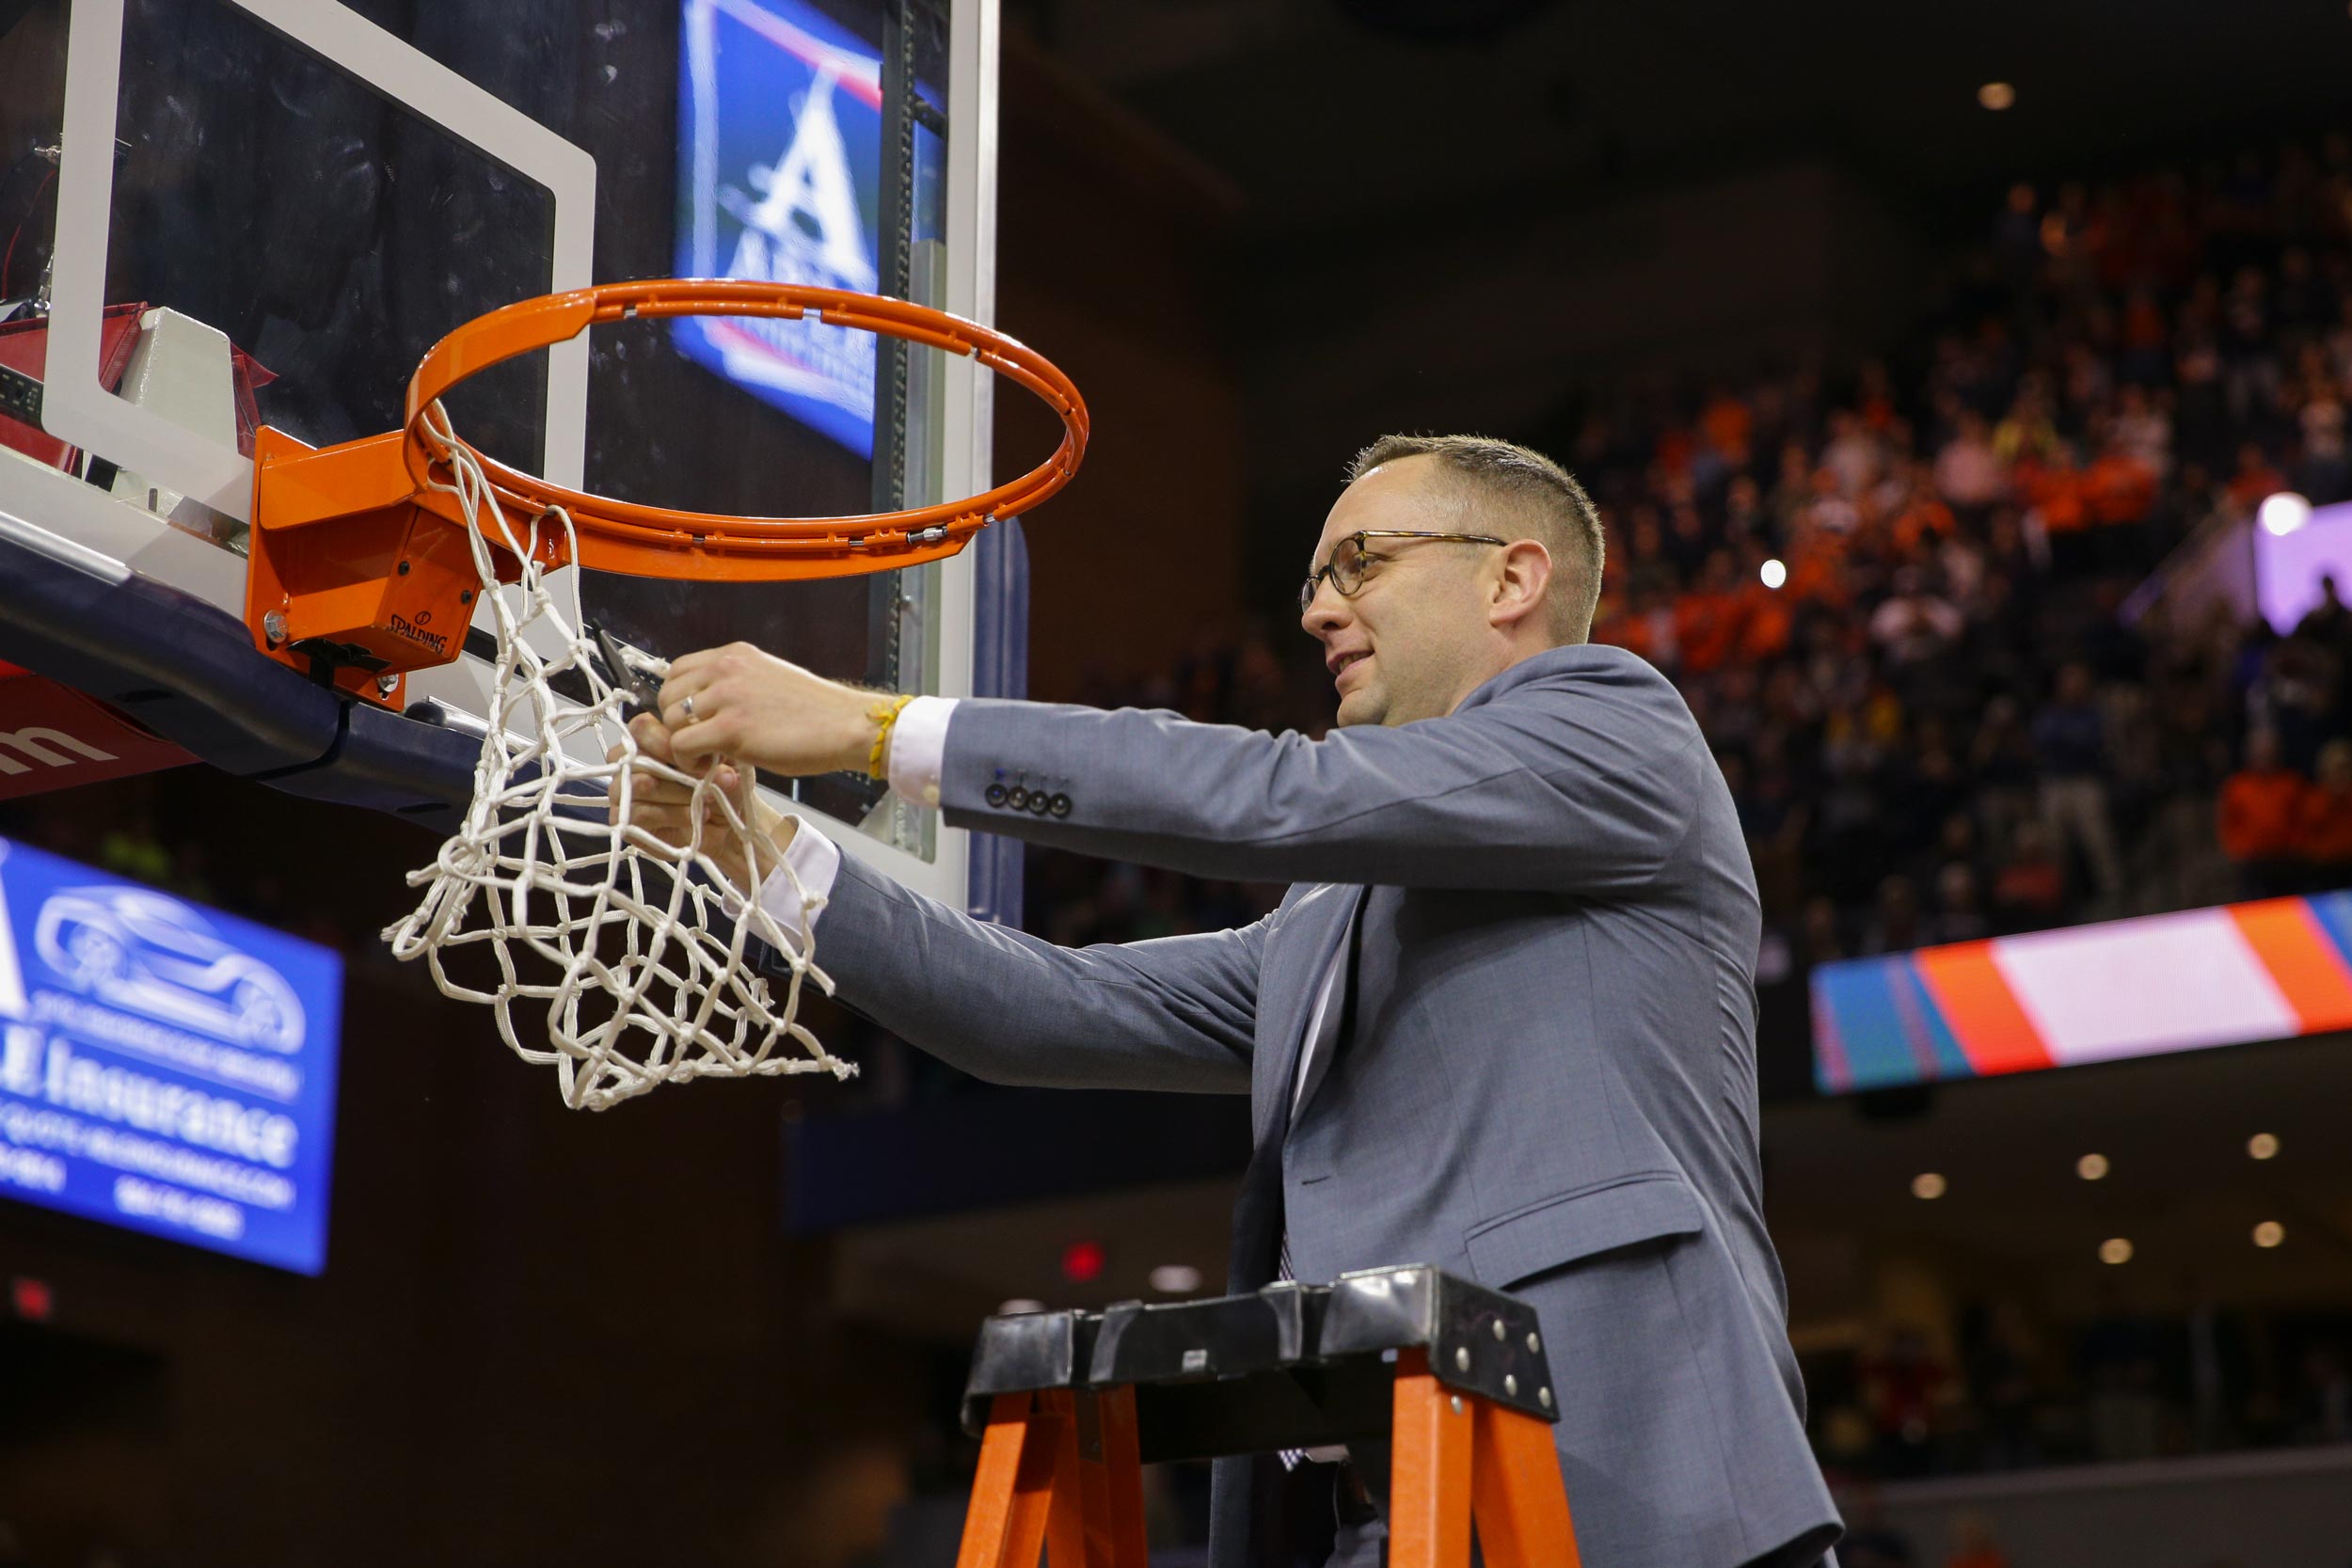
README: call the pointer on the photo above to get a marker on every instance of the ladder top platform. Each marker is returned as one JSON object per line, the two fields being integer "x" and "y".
{"x": 1291, "y": 1365}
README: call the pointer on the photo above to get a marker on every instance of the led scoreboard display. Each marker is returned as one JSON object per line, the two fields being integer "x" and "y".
{"x": 2236, "y": 974}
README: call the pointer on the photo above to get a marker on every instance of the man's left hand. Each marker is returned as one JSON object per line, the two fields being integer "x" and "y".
{"x": 765, "y": 712}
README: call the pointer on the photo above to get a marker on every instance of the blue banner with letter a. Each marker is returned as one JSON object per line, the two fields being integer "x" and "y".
{"x": 779, "y": 182}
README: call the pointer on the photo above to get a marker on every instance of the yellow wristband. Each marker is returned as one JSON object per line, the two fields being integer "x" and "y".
{"x": 883, "y": 715}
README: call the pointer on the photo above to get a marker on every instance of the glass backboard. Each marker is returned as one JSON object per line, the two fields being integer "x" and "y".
{"x": 224, "y": 213}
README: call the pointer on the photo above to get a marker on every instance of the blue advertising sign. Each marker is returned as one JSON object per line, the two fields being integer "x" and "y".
{"x": 780, "y": 181}
{"x": 164, "y": 1066}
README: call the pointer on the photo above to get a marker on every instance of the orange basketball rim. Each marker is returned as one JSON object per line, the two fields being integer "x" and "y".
{"x": 360, "y": 564}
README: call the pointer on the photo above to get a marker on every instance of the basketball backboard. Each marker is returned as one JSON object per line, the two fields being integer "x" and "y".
{"x": 222, "y": 213}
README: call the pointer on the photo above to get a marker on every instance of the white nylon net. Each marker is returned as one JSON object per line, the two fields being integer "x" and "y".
{"x": 639, "y": 969}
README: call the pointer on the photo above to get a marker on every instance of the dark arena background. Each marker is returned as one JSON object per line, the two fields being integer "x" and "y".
{"x": 1964, "y": 391}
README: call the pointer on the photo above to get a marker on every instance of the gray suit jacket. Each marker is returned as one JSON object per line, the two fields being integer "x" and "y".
{"x": 1549, "y": 1081}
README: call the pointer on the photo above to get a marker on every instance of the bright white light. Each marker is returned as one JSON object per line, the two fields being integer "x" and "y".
{"x": 1996, "y": 95}
{"x": 2282, "y": 513}
{"x": 1018, "y": 1306}
{"x": 1774, "y": 574}
{"x": 1175, "y": 1280}
{"x": 2115, "y": 1250}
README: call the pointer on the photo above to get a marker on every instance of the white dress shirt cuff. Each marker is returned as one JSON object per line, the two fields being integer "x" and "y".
{"x": 816, "y": 861}
{"x": 919, "y": 749}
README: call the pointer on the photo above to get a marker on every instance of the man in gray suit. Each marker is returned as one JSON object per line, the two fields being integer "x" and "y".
{"x": 1502, "y": 1022}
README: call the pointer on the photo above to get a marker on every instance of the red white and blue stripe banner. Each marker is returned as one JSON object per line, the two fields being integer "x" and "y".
{"x": 2231, "y": 975}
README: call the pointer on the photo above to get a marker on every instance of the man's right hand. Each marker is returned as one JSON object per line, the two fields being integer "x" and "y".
{"x": 664, "y": 808}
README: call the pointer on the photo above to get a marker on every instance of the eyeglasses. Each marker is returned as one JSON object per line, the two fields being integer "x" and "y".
{"x": 1350, "y": 559}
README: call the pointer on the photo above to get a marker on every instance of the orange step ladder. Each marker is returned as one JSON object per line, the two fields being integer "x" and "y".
{"x": 1070, "y": 1405}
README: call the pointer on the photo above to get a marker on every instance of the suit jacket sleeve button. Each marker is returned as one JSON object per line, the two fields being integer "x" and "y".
{"x": 1040, "y": 802}
{"x": 1059, "y": 805}
{"x": 1018, "y": 797}
{"x": 995, "y": 796}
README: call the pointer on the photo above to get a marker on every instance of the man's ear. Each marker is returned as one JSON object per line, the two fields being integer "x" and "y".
{"x": 1521, "y": 585}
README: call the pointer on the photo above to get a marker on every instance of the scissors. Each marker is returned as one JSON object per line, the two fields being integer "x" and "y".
{"x": 645, "y": 692}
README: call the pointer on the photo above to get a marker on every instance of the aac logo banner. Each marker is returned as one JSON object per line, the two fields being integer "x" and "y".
{"x": 779, "y": 182}
{"x": 164, "y": 1066}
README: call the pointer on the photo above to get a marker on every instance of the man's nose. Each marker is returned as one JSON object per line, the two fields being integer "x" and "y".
{"x": 1325, "y": 612}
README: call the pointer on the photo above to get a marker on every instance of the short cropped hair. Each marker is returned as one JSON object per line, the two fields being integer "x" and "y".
{"x": 1540, "y": 497}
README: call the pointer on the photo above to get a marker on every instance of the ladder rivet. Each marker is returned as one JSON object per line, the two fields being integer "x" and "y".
{"x": 1461, "y": 1358}
{"x": 1535, "y": 1346}
{"x": 1545, "y": 1396}
{"x": 1510, "y": 1384}
{"x": 1500, "y": 1331}
{"x": 1458, "y": 1404}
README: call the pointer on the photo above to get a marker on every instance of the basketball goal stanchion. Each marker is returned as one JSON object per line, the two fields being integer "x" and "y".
{"x": 368, "y": 560}
{"x": 1068, "y": 1407}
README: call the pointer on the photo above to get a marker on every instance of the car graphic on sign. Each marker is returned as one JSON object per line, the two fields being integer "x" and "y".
{"x": 151, "y": 954}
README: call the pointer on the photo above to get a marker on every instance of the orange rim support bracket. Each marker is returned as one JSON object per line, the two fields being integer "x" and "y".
{"x": 358, "y": 553}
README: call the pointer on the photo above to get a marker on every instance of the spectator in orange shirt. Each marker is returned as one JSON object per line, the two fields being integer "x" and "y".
{"x": 1673, "y": 451}
{"x": 1922, "y": 522}
{"x": 1817, "y": 568}
{"x": 2053, "y": 490}
{"x": 1645, "y": 628}
{"x": 2259, "y": 806}
{"x": 2119, "y": 487}
{"x": 1706, "y": 619}
{"x": 2051, "y": 486}
{"x": 2323, "y": 823}
{"x": 1729, "y": 425}
{"x": 1765, "y": 620}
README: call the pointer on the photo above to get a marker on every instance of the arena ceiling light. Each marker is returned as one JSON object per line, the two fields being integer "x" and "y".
{"x": 2091, "y": 1167}
{"x": 1774, "y": 574}
{"x": 2269, "y": 1233}
{"x": 2282, "y": 513}
{"x": 1928, "y": 1186}
{"x": 1996, "y": 95}
{"x": 2115, "y": 1250}
{"x": 2263, "y": 1146}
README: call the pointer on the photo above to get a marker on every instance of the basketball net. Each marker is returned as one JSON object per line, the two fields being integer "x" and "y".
{"x": 634, "y": 949}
